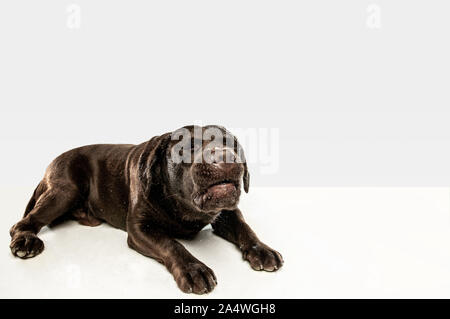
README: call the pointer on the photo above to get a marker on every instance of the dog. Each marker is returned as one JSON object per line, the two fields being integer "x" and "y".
{"x": 169, "y": 187}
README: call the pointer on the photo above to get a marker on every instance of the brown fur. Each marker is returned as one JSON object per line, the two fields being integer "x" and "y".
{"x": 139, "y": 189}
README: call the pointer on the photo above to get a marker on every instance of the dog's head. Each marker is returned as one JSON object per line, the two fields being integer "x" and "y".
{"x": 202, "y": 166}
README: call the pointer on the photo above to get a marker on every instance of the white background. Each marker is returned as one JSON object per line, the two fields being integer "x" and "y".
{"x": 336, "y": 242}
{"x": 355, "y": 106}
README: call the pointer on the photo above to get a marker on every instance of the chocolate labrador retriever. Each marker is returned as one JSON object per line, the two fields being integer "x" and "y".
{"x": 169, "y": 187}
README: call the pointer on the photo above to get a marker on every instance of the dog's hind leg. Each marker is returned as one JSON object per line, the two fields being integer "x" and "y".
{"x": 86, "y": 219}
{"x": 47, "y": 204}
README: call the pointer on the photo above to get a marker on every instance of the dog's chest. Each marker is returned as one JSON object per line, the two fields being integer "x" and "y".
{"x": 185, "y": 228}
{"x": 180, "y": 220}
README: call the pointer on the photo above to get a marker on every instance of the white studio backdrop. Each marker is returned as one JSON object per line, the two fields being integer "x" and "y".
{"x": 341, "y": 93}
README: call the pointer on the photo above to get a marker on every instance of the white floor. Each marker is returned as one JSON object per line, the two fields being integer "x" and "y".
{"x": 336, "y": 242}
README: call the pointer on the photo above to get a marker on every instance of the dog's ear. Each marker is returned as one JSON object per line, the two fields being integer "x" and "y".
{"x": 246, "y": 178}
{"x": 240, "y": 152}
{"x": 151, "y": 161}
{"x": 241, "y": 156}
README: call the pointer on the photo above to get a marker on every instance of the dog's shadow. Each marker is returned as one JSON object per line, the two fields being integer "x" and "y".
{"x": 205, "y": 235}
{"x": 206, "y": 242}
{"x": 199, "y": 239}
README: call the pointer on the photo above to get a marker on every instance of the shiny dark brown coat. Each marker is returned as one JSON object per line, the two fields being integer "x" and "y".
{"x": 139, "y": 189}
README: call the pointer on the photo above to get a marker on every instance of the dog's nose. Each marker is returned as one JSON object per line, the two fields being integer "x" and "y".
{"x": 218, "y": 164}
{"x": 223, "y": 156}
{"x": 225, "y": 167}
{"x": 226, "y": 160}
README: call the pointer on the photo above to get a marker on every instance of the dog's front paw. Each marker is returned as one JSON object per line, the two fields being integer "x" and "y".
{"x": 262, "y": 257}
{"x": 26, "y": 245}
{"x": 194, "y": 277}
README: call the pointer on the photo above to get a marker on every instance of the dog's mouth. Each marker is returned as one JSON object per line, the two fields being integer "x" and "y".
{"x": 218, "y": 195}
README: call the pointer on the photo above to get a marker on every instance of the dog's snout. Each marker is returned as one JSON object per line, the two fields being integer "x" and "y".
{"x": 219, "y": 164}
{"x": 226, "y": 167}
{"x": 223, "y": 156}
{"x": 216, "y": 156}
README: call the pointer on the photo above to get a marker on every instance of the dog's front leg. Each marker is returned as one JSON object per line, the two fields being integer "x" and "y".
{"x": 190, "y": 274}
{"x": 231, "y": 226}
